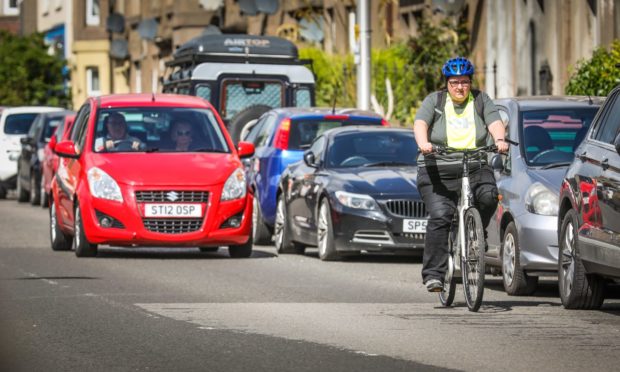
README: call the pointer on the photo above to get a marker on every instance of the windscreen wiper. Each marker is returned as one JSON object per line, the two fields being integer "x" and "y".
{"x": 152, "y": 149}
{"x": 207, "y": 149}
{"x": 556, "y": 165}
{"x": 387, "y": 163}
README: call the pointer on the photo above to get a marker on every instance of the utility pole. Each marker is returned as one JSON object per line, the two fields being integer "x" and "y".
{"x": 363, "y": 68}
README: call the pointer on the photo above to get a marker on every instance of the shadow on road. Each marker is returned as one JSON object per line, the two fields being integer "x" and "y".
{"x": 56, "y": 278}
{"x": 172, "y": 253}
{"x": 378, "y": 258}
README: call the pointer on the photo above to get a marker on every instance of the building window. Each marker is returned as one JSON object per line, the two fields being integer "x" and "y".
{"x": 92, "y": 13}
{"x": 93, "y": 87}
{"x": 138, "y": 77}
{"x": 11, "y": 7}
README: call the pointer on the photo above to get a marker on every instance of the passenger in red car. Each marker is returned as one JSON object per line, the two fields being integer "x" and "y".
{"x": 181, "y": 135}
{"x": 117, "y": 138}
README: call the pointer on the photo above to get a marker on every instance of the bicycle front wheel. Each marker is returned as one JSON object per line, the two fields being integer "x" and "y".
{"x": 472, "y": 267}
{"x": 449, "y": 285}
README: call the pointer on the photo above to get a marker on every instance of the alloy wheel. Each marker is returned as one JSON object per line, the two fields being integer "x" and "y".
{"x": 279, "y": 225}
{"x": 53, "y": 222}
{"x": 508, "y": 259}
{"x": 78, "y": 222}
{"x": 568, "y": 259}
{"x": 322, "y": 230}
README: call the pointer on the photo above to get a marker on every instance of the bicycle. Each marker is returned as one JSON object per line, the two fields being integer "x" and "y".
{"x": 466, "y": 246}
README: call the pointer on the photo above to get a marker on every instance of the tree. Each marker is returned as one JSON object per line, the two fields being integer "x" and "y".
{"x": 29, "y": 75}
{"x": 598, "y": 75}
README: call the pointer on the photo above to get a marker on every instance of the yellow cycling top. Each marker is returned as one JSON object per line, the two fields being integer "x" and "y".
{"x": 460, "y": 128}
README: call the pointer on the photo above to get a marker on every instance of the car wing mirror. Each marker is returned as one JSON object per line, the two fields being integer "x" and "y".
{"x": 309, "y": 159}
{"x": 66, "y": 149}
{"x": 617, "y": 143}
{"x": 497, "y": 163}
{"x": 25, "y": 140}
{"x": 52, "y": 143}
{"x": 245, "y": 149}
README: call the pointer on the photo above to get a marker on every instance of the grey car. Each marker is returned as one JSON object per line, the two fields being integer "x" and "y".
{"x": 522, "y": 235}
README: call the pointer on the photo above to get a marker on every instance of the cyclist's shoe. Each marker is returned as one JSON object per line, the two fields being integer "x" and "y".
{"x": 434, "y": 285}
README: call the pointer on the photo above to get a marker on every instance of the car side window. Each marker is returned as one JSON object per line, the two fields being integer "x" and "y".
{"x": 318, "y": 147}
{"x": 78, "y": 133}
{"x": 266, "y": 130}
{"x": 255, "y": 130}
{"x": 607, "y": 128}
{"x": 33, "y": 128}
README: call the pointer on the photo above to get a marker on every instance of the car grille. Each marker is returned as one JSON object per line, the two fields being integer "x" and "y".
{"x": 167, "y": 196}
{"x": 172, "y": 225}
{"x": 407, "y": 208}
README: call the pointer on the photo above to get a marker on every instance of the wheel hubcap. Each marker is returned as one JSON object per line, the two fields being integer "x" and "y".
{"x": 508, "y": 259}
{"x": 279, "y": 223}
{"x": 32, "y": 188}
{"x": 322, "y": 230}
{"x": 53, "y": 222}
{"x": 568, "y": 259}
{"x": 254, "y": 216}
{"x": 77, "y": 227}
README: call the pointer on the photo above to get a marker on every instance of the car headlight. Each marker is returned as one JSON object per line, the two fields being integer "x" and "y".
{"x": 235, "y": 186}
{"x": 356, "y": 201}
{"x": 540, "y": 200}
{"x": 103, "y": 186}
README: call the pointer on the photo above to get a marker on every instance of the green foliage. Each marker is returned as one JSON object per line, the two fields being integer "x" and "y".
{"x": 29, "y": 75}
{"x": 598, "y": 75}
{"x": 413, "y": 69}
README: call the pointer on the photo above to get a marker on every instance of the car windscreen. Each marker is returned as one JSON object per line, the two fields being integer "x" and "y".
{"x": 304, "y": 131}
{"x": 551, "y": 136}
{"x": 372, "y": 148}
{"x": 239, "y": 95}
{"x": 19, "y": 123}
{"x": 51, "y": 125}
{"x": 158, "y": 129}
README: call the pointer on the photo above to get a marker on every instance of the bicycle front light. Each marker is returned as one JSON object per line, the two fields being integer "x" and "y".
{"x": 356, "y": 201}
{"x": 540, "y": 200}
{"x": 103, "y": 186}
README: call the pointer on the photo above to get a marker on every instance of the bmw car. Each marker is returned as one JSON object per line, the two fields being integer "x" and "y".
{"x": 354, "y": 191}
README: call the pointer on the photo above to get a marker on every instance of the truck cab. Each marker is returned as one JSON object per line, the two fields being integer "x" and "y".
{"x": 243, "y": 76}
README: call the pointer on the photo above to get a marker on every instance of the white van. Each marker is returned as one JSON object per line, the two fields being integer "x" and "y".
{"x": 15, "y": 123}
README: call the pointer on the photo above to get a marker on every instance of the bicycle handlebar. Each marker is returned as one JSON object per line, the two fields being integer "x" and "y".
{"x": 438, "y": 149}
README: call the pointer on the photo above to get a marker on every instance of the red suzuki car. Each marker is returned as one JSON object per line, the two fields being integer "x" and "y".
{"x": 150, "y": 170}
{"x": 49, "y": 164}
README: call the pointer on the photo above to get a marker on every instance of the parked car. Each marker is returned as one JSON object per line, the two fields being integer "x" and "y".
{"x": 15, "y": 123}
{"x": 354, "y": 191}
{"x": 143, "y": 190}
{"x": 280, "y": 137}
{"x": 589, "y": 213}
{"x": 523, "y": 232}
{"x": 30, "y": 184}
{"x": 51, "y": 159}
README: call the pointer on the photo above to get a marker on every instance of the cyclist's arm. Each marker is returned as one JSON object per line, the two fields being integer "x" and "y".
{"x": 420, "y": 130}
{"x": 498, "y": 132}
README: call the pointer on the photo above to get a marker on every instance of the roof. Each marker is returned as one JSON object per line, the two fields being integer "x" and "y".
{"x": 349, "y": 129}
{"x": 316, "y": 111}
{"x": 541, "y": 102}
{"x": 29, "y": 109}
{"x": 146, "y": 100}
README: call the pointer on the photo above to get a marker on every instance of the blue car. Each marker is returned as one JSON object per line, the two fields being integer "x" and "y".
{"x": 280, "y": 137}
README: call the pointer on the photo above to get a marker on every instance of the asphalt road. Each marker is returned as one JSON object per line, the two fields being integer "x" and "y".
{"x": 183, "y": 310}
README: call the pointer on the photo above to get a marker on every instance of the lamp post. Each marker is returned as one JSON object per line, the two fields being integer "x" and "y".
{"x": 363, "y": 70}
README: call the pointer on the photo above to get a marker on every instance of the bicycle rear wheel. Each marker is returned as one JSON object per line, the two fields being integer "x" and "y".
{"x": 446, "y": 297}
{"x": 472, "y": 267}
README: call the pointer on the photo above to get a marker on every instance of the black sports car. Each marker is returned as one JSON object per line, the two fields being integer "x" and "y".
{"x": 354, "y": 191}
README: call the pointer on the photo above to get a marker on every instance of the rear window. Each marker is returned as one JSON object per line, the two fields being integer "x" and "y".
{"x": 304, "y": 131}
{"x": 239, "y": 95}
{"x": 19, "y": 123}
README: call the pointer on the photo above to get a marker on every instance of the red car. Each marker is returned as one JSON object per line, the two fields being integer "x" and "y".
{"x": 150, "y": 170}
{"x": 50, "y": 159}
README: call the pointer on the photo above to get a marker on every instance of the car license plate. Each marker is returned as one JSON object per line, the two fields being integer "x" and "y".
{"x": 414, "y": 226}
{"x": 172, "y": 210}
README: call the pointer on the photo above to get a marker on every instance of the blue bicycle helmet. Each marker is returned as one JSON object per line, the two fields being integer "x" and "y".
{"x": 458, "y": 66}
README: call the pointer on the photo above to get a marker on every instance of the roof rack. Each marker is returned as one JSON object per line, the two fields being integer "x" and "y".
{"x": 236, "y": 48}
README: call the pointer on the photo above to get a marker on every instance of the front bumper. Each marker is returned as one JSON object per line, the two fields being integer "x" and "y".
{"x": 372, "y": 231}
{"x": 538, "y": 240}
{"x": 130, "y": 228}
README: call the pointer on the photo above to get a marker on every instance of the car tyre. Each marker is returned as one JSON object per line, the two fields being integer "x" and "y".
{"x": 240, "y": 119}
{"x": 35, "y": 190}
{"x": 242, "y": 250}
{"x": 282, "y": 231}
{"x": 2, "y": 192}
{"x": 208, "y": 249}
{"x": 516, "y": 281}
{"x": 80, "y": 243}
{"x": 45, "y": 198}
{"x": 578, "y": 290}
{"x": 325, "y": 234}
{"x": 260, "y": 232}
{"x": 22, "y": 195}
{"x": 60, "y": 241}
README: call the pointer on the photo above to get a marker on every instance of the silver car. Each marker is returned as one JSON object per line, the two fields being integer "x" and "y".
{"x": 522, "y": 235}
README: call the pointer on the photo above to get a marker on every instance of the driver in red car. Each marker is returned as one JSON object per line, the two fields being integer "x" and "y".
{"x": 117, "y": 138}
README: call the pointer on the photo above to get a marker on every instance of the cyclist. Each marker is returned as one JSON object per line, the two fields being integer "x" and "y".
{"x": 461, "y": 118}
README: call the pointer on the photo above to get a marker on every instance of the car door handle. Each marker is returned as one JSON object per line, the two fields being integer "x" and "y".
{"x": 605, "y": 164}
{"x": 582, "y": 156}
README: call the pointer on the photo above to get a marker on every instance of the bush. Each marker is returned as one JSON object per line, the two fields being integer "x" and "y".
{"x": 598, "y": 75}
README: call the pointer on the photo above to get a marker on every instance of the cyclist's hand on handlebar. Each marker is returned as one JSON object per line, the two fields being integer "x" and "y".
{"x": 426, "y": 148}
{"x": 502, "y": 146}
